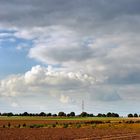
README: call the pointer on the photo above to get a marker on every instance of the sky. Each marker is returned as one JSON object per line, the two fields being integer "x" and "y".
{"x": 56, "y": 53}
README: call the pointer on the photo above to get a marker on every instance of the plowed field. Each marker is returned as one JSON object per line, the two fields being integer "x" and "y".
{"x": 67, "y": 134}
{"x": 74, "y": 130}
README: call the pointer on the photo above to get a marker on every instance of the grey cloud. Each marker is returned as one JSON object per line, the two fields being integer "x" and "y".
{"x": 125, "y": 77}
{"x": 75, "y": 13}
{"x": 59, "y": 55}
{"x": 121, "y": 72}
{"x": 109, "y": 97}
{"x": 104, "y": 93}
{"x": 118, "y": 55}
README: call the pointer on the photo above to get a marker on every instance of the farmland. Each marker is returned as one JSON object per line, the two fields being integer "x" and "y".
{"x": 59, "y": 128}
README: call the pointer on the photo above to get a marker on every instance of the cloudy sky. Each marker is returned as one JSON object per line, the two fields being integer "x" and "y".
{"x": 56, "y": 53}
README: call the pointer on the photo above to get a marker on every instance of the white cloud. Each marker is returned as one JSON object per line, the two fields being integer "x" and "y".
{"x": 43, "y": 85}
{"x": 14, "y": 104}
{"x": 101, "y": 56}
{"x": 41, "y": 80}
{"x": 64, "y": 99}
{"x": 57, "y": 44}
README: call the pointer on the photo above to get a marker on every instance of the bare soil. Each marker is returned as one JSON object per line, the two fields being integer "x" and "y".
{"x": 98, "y": 133}
{"x": 67, "y": 134}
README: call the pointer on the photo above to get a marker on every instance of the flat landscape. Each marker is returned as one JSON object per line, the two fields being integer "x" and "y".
{"x": 69, "y": 69}
{"x": 76, "y": 128}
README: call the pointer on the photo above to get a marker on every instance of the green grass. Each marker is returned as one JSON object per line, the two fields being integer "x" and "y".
{"x": 62, "y": 118}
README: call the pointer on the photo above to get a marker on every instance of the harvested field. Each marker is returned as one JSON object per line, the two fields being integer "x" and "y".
{"x": 35, "y": 129}
{"x": 67, "y": 134}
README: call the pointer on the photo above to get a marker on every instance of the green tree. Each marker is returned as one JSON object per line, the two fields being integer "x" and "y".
{"x": 91, "y": 115}
{"x": 61, "y": 114}
{"x": 130, "y": 115}
{"x": 54, "y": 115}
{"x": 72, "y": 114}
{"x": 49, "y": 114}
{"x": 84, "y": 114}
{"x": 42, "y": 114}
{"x": 99, "y": 115}
{"x": 109, "y": 114}
{"x": 25, "y": 114}
{"x": 135, "y": 115}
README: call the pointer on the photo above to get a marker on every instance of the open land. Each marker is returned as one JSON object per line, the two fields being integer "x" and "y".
{"x": 44, "y": 128}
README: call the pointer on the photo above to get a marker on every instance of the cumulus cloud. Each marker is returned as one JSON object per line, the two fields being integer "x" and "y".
{"x": 44, "y": 82}
{"x": 40, "y": 79}
{"x": 102, "y": 55}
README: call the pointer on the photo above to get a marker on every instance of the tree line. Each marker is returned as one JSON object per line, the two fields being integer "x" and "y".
{"x": 133, "y": 115}
{"x": 71, "y": 114}
{"x": 61, "y": 114}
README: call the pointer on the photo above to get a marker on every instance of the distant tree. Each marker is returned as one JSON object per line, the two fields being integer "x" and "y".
{"x": 112, "y": 114}
{"x": 103, "y": 115}
{"x": 130, "y": 115}
{"x": 10, "y": 114}
{"x": 25, "y": 114}
{"x": 135, "y": 115}
{"x": 42, "y": 114}
{"x": 91, "y": 115}
{"x": 31, "y": 114}
{"x": 4, "y": 114}
{"x": 115, "y": 115}
{"x": 109, "y": 114}
{"x": 61, "y": 114}
{"x": 84, "y": 114}
{"x": 72, "y": 114}
{"x": 49, "y": 114}
{"x": 54, "y": 115}
{"x": 68, "y": 115}
{"x": 19, "y": 114}
{"x": 35, "y": 114}
{"x": 99, "y": 115}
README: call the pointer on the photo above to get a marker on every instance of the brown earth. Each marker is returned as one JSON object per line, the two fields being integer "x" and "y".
{"x": 100, "y": 132}
{"x": 28, "y": 122}
{"x": 67, "y": 134}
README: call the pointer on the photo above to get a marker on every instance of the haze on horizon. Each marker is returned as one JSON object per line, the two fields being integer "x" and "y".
{"x": 56, "y": 53}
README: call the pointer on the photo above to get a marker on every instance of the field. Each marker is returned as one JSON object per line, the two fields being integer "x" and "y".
{"x": 54, "y": 128}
